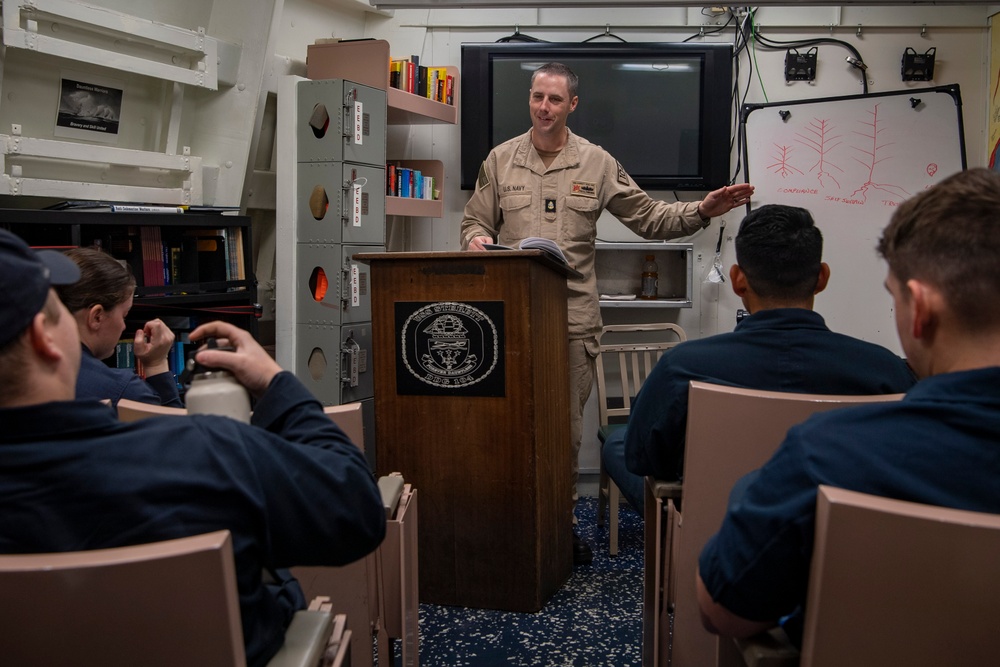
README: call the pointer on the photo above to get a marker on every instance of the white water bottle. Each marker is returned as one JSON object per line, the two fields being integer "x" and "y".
{"x": 215, "y": 391}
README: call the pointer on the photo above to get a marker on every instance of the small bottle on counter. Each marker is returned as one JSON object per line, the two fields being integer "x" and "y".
{"x": 650, "y": 276}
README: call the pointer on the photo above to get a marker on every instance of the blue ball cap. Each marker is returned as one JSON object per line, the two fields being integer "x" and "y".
{"x": 25, "y": 278}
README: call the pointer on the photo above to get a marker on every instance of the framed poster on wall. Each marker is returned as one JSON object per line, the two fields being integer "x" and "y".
{"x": 89, "y": 107}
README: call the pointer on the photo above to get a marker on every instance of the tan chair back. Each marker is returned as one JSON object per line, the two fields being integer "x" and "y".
{"x": 157, "y": 605}
{"x": 347, "y": 416}
{"x": 132, "y": 411}
{"x": 900, "y": 583}
{"x": 730, "y": 432}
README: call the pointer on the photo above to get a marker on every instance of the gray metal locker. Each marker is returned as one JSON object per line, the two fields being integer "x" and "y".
{"x": 331, "y": 288}
{"x": 341, "y": 121}
{"x": 341, "y": 202}
{"x": 334, "y": 362}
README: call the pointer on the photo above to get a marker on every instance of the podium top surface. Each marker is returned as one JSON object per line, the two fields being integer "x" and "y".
{"x": 536, "y": 255}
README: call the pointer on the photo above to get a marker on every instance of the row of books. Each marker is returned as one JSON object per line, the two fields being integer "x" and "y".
{"x": 409, "y": 183}
{"x": 434, "y": 83}
{"x": 190, "y": 257}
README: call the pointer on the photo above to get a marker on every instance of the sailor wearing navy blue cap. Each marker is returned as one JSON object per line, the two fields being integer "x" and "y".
{"x": 26, "y": 277}
{"x": 291, "y": 488}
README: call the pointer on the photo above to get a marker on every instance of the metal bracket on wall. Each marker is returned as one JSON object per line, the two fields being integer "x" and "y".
{"x": 185, "y": 56}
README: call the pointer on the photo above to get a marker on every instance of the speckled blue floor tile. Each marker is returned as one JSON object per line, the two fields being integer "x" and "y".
{"x": 594, "y": 620}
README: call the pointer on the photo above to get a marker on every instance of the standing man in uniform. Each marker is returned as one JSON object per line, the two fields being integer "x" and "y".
{"x": 553, "y": 184}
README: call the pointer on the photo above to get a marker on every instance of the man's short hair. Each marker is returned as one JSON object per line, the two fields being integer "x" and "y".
{"x": 949, "y": 236}
{"x": 104, "y": 281}
{"x": 780, "y": 250}
{"x": 558, "y": 69}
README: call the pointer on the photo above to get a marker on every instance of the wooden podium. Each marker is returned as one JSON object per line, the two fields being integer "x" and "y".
{"x": 472, "y": 407}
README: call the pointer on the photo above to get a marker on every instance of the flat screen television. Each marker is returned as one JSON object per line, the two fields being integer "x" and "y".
{"x": 663, "y": 110}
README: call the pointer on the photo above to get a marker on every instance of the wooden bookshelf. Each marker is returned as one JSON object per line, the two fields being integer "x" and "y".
{"x": 408, "y": 109}
{"x": 367, "y": 62}
{"x": 419, "y": 208}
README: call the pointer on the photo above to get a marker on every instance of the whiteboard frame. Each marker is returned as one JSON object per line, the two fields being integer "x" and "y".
{"x": 951, "y": 89}
{"x": 855, "y": 303}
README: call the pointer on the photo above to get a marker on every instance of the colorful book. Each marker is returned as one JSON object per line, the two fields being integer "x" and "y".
{"x": 152, "y": 256}
{"x": 439, "y": 77}
{"x": 241, "y": 273}
{"x": 421, "y": 88}
{"x": 396, "y": 68}
{"x": 404, "y": 182}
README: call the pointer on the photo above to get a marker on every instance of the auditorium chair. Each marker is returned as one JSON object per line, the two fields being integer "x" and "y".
{"x": 730, "y": 432}
{"x": 627, "y": 355}
{"x": 158, "y": 605}
{"x": 891, "y": 583}
{"x": 377, "y": 592}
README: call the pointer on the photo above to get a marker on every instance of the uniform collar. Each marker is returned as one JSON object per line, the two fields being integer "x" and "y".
{"x": 782, "y": 318}
{"x": 526, "y": 155}
{"x": 57, "y": 420}
{"x": 977, "y": 386}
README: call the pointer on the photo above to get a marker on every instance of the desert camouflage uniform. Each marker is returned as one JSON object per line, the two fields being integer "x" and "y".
{"x": 516, "y": 197}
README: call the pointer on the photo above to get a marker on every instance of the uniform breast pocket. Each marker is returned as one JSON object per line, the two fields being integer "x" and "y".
{"x": 516, "y": 215}
{"x": 580, "y": 221}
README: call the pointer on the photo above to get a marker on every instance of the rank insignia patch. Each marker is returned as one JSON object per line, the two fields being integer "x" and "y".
{"x": 550, "y": 205}
{"x": 622, "y": 176}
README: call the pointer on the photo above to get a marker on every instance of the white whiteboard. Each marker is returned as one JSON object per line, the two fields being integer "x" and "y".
{"x": 850, "y": 161}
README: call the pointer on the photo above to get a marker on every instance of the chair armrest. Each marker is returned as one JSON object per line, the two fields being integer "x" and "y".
{"x": 305, "y": 640}
{"x": 767, "y": 649}
{"x": 391, "y": 488}
{"x": 663, "y": 489}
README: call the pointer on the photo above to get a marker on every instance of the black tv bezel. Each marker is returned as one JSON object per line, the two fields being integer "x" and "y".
{"x": 716, "y": 128}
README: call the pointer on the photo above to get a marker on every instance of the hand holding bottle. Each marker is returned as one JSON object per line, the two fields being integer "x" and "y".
{"x": 249, "y": 363}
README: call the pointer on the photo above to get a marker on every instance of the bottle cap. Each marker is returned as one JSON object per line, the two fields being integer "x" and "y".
{"x": 193, "y": 367}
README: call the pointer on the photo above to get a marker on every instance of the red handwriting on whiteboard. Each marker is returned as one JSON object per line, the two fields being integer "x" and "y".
{"x": 872, "y": 154}
{"x": 818, "y": 137}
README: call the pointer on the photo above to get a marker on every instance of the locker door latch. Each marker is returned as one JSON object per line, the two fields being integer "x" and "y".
{"x": 351, "y": 361}
{"x": 354, "y": 203}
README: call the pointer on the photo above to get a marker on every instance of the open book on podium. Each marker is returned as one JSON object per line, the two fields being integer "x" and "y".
{"x": 533, "y": 243}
